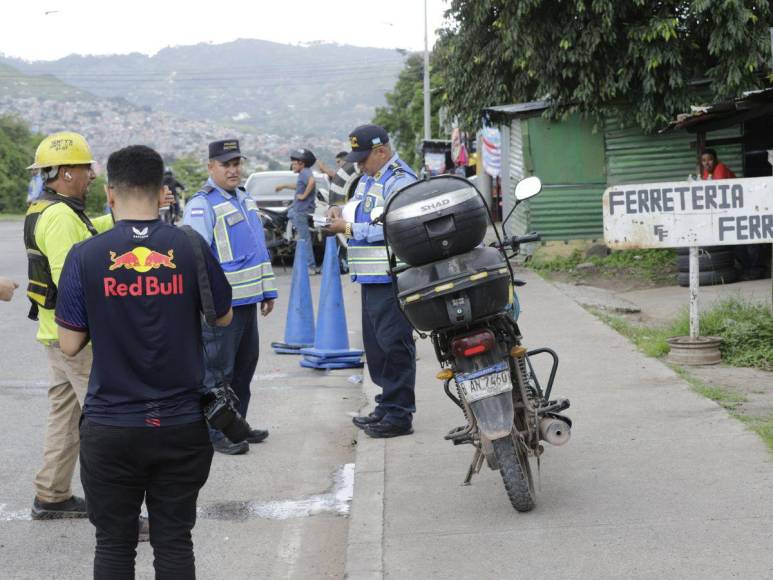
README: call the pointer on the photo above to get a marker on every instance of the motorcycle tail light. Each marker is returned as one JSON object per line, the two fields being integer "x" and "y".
{"x": 473, "y": 344}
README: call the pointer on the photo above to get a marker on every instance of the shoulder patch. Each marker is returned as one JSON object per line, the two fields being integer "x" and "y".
{"x": 197, "y": 212}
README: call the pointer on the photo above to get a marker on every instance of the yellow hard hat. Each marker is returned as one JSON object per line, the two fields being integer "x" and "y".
{"x": 65, "y": 148}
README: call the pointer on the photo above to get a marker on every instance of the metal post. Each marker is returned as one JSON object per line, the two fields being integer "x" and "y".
{"x": 427, "y": 122}
{"x": 694, "y": 284}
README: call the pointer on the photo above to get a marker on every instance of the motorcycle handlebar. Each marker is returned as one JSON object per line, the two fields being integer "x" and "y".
{"x": 532, "y": 237}
{"x": 514, "y": 242}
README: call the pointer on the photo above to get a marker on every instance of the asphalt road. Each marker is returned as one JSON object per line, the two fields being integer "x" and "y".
{"x": 280, "y": 511}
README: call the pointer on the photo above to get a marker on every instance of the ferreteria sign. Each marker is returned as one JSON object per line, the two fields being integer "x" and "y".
{"x": 689, "y": 213}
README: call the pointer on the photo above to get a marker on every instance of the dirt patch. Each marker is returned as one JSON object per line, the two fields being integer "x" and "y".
{"x": 613, "y": 279}
{"x": 755, "y": 386}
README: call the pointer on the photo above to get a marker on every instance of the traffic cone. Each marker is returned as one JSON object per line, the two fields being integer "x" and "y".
{"x": 331, "y": 341}
{"x": 299, "y": 326}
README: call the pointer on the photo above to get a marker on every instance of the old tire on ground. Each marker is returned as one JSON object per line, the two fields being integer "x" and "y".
{"x": 710, "y": 278}
{"x": 704, "y": 249}
{"x": 723, "y": 260}
{"x": 516, "y": 478}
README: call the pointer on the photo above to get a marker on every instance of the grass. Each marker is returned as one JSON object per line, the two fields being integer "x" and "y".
{"x": 654, "y": 265}
{"x": 727, "y": 398}
{"x": 730, "y": 400}
{"x": 649, "y": 340}
{"x": 762, "y": 426}
{"x": 746, "y": 330}
{"x": 11, "y": 216}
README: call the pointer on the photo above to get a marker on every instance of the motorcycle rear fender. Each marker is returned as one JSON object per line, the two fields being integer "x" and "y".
{"x": 494, "y": 415}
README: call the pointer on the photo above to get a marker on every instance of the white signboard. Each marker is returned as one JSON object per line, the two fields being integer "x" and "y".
{"x": 689, "y": 213}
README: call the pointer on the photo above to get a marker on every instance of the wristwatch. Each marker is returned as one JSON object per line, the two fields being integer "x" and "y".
{"x": 348, "y": 230}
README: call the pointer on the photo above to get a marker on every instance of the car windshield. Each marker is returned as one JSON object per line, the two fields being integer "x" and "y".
{"x": 261, "y": 187}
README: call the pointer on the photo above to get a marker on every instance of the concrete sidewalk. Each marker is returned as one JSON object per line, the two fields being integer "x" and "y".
{"x": 657, "y": 481}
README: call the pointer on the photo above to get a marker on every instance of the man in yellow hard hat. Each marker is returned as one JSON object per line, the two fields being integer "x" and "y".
{"x": 54, "y": 223}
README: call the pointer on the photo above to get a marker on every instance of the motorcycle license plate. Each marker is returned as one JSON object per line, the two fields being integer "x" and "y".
{"x": 486, "y": 382}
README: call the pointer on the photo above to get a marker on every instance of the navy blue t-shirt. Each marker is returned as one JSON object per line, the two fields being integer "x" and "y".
{"x": 306, "y": 205}
{"x": 135, "y": 290}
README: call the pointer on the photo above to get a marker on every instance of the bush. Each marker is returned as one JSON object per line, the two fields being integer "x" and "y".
{"x": 746, "y": 330}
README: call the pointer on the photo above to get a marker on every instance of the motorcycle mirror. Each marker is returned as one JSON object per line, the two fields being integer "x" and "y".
{"x": 527, "y": 188}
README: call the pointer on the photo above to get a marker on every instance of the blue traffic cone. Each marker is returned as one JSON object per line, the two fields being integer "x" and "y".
{"x": 299, "y": 326}
{"x": 331, "y": 341}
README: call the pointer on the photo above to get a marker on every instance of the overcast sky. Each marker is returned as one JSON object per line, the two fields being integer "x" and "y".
{"x": 50, "y": 29}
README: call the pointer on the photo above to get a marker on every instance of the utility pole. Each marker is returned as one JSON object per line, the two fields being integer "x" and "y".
{"x": 427, "y": 122}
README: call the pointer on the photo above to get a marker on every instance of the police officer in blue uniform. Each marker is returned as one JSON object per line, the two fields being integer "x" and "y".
{"x": 388, "y": 338}
{"x": 227, "y": 218}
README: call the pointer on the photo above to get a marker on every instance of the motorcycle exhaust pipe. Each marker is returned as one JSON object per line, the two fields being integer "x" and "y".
{"x": 554, "y": 431}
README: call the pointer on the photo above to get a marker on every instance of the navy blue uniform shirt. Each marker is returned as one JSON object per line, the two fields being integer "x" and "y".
{"x": 134, "y": 289}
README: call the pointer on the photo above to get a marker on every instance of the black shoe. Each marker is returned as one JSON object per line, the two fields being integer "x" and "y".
{"x": 257, "y": 435}
{"x": 224, "y": 445}
{"x": 144, "y": 535}
{"x": 383, "y": 430}
{"x": 75, "y": 507}
{"x": 364, "y": 421}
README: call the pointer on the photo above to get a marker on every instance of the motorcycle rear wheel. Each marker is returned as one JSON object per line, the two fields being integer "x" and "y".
{"x": 516, "y": 473}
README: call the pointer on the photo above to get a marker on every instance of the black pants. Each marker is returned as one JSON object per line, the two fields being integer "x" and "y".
{"x": 391, "y": 354}
{"x": 232, "y": 354}
{"x": 165, "y": 466}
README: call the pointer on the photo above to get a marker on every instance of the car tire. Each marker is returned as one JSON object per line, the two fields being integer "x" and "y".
{"x": 723, "y": 260}
{"x": 711, "y": 278}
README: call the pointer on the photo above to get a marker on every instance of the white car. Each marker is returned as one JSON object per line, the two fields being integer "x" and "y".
{"x": 274, "y": 205}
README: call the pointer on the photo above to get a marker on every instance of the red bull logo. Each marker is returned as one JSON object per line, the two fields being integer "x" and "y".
{"x": 144, "y": 286}
{"x": 142, "y": 259}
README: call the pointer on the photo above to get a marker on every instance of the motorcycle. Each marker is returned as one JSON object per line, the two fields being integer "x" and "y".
{"x": 280, "y": 237}
{"x": 461, "y": 292}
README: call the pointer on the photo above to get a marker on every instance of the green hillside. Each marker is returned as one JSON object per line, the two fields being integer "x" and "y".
{"x": 16, "y": 84}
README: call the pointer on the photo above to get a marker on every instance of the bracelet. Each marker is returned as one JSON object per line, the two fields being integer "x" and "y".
{"x": 348, "y": 230}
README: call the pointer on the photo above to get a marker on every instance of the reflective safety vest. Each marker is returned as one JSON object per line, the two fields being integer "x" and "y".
{"x": 239, "y": 243}
{"x": 41, "y": 290}
{"x": 368, "y": 262}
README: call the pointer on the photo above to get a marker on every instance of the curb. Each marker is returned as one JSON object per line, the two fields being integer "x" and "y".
{"x": 364, "y": 548}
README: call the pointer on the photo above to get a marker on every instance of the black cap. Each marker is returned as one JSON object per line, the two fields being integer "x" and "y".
{"x": 225, "y": 150}
{"x": 365, "y": 139}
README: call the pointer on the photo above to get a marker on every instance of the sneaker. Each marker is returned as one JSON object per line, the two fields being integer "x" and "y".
{"x": 75, "y": 507}
{"x": 257, "y": 435}
{"x": 383, "y": 430}
{"x": 144, "y": 535}
{"x": 364, "y": 421}
{"x": 227, "y": 447}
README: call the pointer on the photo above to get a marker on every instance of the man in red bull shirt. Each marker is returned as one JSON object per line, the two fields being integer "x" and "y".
{"x": 134, "y": 292}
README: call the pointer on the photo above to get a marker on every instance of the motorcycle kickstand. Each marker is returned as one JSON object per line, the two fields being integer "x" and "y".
{"x": 477, "y": 463}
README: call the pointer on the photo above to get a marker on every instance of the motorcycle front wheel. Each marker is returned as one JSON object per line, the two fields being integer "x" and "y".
{"x": 516, "y": 472}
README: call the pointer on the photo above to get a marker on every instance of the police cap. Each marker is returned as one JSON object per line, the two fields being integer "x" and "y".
{"x": 224, "y": 150}
{"x": 365, "y": 139}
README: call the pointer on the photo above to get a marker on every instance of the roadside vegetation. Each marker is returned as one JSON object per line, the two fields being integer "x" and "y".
{"x": 644, "y": 267}
{"x": 746, "y": 330}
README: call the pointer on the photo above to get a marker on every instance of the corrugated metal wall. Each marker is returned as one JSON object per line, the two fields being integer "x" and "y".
{"x": 568, "y": 156}
{"x": 567, "y": 212}
{"x": 633, "y": 157}
{"x": 519, "y": 221}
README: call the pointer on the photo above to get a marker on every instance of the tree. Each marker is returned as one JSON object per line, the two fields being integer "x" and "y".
{"x": 191, "y": 172}
{"x": 594, "y": 56}
{"x": 403, "y": 115}
{"x": 17, "y": 150}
